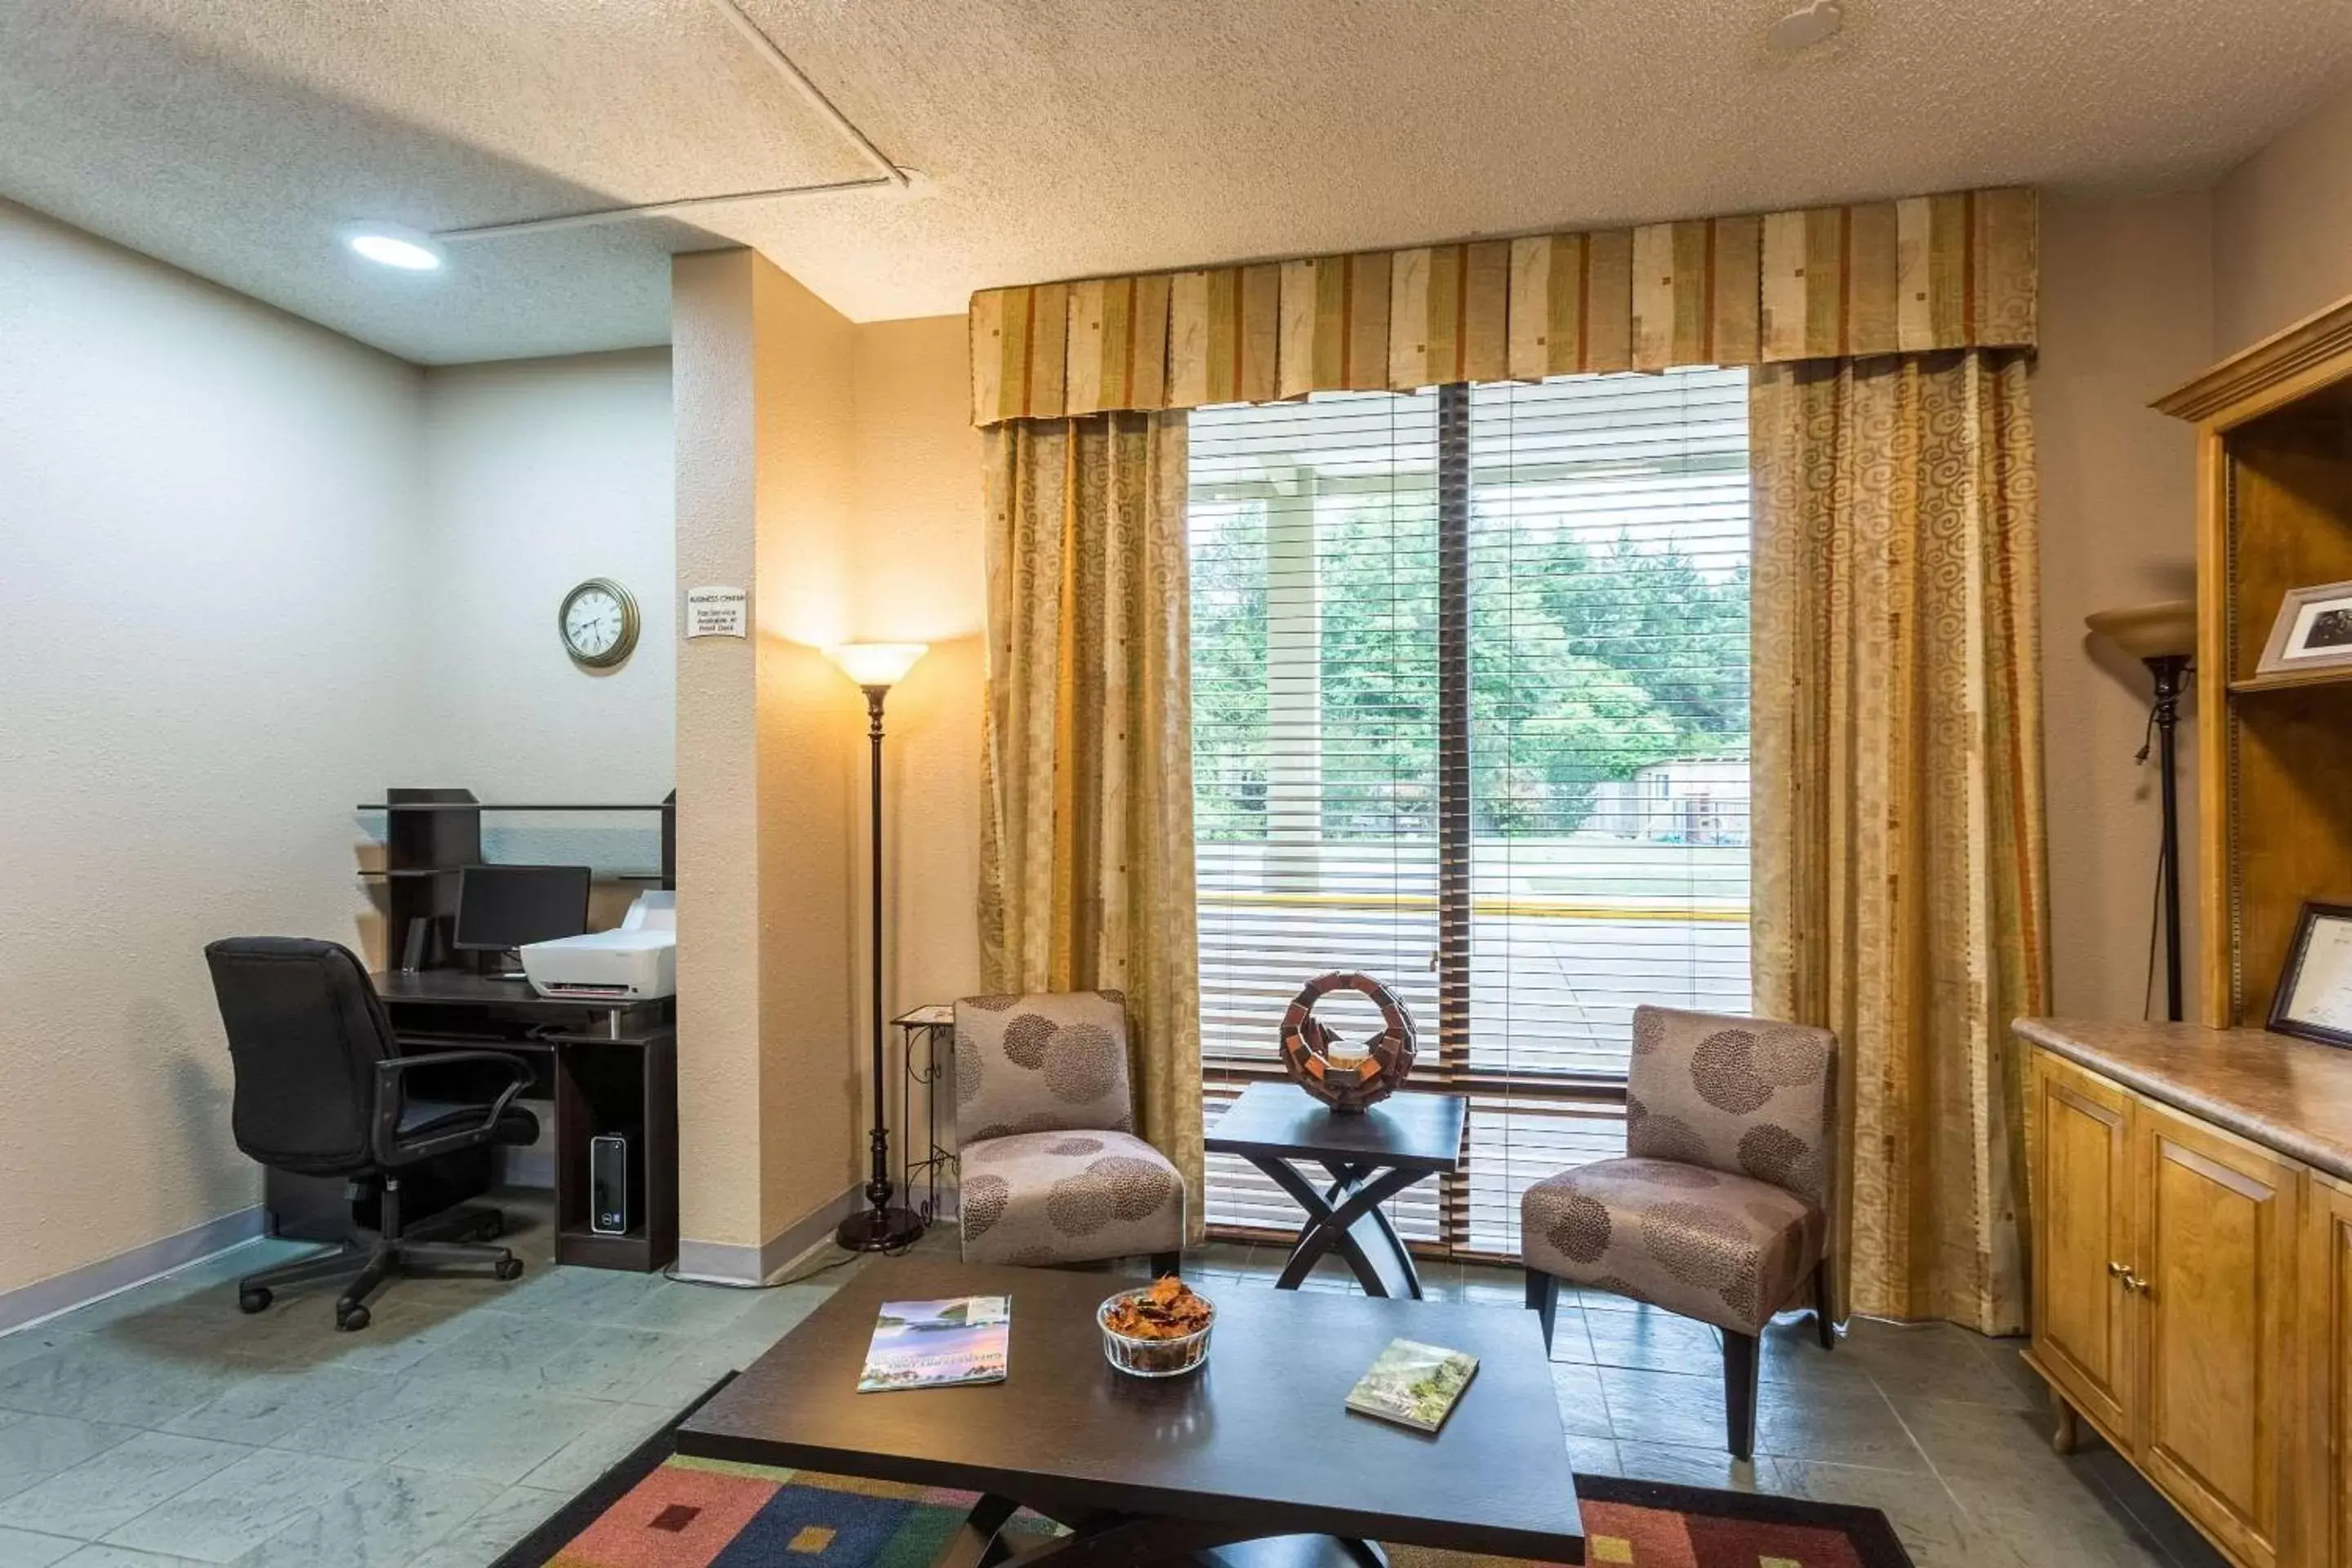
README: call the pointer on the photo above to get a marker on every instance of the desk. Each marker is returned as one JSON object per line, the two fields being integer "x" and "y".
{"x": 608, "y": 1065}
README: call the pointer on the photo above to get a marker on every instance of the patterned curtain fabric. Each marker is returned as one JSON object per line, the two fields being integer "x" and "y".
{"x": 1086, "y": 831}
{"x": 1898, "y": 857}
{"x": 1955, "y": 270}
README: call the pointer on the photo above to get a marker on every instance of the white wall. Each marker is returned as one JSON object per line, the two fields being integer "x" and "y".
{"x": 540, "y": 474}
{"x": 207, "y": 516}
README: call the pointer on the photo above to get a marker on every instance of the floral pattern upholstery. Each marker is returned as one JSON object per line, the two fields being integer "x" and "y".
{"x": 1720, "y": 1209}
{"x": 1041, "y": 1063}
{"x": 1069, "y": 1198}
{"x": 1051, "y": 1169}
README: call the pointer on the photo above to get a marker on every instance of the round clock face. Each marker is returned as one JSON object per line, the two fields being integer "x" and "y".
{"x": 599, "y": 623}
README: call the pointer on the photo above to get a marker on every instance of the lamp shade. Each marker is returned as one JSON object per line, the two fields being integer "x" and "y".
{"x": 877, "y": 663}
{"x": 2167, "y": 630}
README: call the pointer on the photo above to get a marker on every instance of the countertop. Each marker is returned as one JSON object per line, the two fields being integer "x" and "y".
{"x": 2292, "y": 1096}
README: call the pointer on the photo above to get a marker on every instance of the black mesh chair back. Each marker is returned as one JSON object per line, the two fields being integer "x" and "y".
{"x": 305, "y": 1032}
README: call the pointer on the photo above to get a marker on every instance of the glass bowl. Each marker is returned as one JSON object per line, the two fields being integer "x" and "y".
{"x": 1152, "y": 1358}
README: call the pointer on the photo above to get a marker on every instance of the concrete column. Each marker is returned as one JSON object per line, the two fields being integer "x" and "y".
{"x": 768, "y": 739}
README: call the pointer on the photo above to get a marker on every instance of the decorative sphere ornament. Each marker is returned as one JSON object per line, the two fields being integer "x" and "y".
{"x": 1347, "y": 1078}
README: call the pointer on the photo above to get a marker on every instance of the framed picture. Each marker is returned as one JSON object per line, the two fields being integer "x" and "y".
{"x": 2313, "y": 631}
{"x": 2314, "y": 998}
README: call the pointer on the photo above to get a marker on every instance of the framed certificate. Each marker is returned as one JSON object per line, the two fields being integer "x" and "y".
{"x": 2314, "y": 998}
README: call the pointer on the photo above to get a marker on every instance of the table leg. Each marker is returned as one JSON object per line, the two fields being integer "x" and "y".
{"x": 1099, "y": 1540}
{"x": 977, "y": 1542}
{"x": 1392, "y": 1245}
{"x": 1328, "y": 1224}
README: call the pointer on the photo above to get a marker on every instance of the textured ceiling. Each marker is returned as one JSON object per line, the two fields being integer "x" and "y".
{"x": 1059, "y": 137}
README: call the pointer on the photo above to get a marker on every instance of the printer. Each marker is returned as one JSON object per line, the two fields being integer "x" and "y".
{"x": 637, "y": 963}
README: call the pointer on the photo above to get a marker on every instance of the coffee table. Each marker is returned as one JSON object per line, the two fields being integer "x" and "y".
{"x": 1257, "y": 1447}
{"x": 1371, "y": 1155}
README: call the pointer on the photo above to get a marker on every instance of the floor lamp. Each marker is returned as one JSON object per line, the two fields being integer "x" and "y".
{"x": 881, "y": 1227}
{"x": 2163, "y": 637}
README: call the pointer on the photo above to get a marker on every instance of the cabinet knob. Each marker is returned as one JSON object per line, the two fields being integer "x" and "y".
{"x": 2120, "y": 1272}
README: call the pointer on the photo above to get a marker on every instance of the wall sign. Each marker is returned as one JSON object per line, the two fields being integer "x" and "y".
{"x": 716, "y": 613}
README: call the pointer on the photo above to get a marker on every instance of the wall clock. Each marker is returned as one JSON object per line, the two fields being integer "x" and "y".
{"x": 598, "y": 623}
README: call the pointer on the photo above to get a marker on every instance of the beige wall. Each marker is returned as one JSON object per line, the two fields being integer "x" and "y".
{"x": 919, "y": 579}
{"x": 206, "y": 579}
{"x": 766, "y": 734}
{"x": 2283, "y": 229}
{"x": 539, "y": 474}
{"x": 2126, "y": 313}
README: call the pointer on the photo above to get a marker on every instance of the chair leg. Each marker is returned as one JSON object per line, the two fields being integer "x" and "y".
{"x": 1167, "y": 1263}
{"x": 1824, "y": 1308}
{"x": 1740, "y": 1365}
{"x": 1543, "y": 1299}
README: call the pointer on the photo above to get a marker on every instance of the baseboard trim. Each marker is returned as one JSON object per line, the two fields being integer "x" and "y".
{"x": 735, "y": 1263}
{"x": 29, "y": 1304}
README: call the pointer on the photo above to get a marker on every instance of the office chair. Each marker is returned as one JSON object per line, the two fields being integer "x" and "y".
{"x": 322, "y": 1090}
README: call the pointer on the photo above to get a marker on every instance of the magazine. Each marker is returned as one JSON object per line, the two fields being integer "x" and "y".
{"x": 931, "y": 1344}
{"x": 1413, "y": 1384}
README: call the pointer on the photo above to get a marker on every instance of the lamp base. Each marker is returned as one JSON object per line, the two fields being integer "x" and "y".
{"x": 879, "y": 1230}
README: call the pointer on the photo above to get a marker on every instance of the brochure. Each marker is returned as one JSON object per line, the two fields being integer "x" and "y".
{"x": 932, "y": 1344}
{"x": 1413, "y": 1384}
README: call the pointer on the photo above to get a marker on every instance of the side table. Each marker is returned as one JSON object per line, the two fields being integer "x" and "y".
{"x": 1371, "y": 1156}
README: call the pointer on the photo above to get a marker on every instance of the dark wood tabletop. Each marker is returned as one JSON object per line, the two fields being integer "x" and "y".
{"x": 1260, "y": 1434}
{"x": 1408, "y": 1130}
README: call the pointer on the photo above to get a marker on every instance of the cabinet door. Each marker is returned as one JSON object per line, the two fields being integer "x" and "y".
{"x": 2082, "y": 1321}
{"x": 2326, "y": 1462}
{"x": 2215, "y": 1287}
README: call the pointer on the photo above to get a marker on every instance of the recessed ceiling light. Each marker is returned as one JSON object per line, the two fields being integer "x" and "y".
{"x": 392, "y": 245}
{"x": 1815, "y": 22}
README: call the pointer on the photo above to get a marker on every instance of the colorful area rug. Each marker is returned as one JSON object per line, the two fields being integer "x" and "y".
{"x": 659, "y": 1508}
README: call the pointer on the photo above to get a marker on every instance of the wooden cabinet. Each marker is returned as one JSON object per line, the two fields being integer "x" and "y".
{"x": 2171, "y": 1311}
{"x": 2083, "y": 1241}
{"x": 2211, "y": 1287}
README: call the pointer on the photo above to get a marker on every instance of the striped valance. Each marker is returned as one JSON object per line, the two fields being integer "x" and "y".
{"x": 1929, "y": 272}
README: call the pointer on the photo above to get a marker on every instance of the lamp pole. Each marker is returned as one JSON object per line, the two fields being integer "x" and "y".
{"x": 881, "y": 1227}
{"x": 2169, "y": 670}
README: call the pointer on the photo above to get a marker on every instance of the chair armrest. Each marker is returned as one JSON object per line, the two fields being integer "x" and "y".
{"x": 392, "y": 1097}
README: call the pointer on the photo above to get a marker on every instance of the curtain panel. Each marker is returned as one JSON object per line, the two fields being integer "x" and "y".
{"x": 1900, "y": 893}
{"x": 1087, "y": 879}
{"x": 1955, "y": 270}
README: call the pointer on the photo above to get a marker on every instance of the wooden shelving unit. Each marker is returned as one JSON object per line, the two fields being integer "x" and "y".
{"x": 2290, "y": 680}
{"x": 2274, "y": 473}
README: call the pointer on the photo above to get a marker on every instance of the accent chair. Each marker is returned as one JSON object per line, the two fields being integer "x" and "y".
{"x": 1052, "y": 1171}
{"x": 1720, "y": 1209}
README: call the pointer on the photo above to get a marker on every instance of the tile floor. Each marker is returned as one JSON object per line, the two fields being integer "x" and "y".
{"x": 162, "y": 1427}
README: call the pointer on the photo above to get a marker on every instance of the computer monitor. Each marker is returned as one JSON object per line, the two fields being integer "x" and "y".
{"x": 503, "y": 907}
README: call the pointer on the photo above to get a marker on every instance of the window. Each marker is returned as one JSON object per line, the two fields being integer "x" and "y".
{"x": 1470, "y": 713}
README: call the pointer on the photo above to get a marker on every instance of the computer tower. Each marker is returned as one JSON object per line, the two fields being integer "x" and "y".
{"x": 608, "y": 1185}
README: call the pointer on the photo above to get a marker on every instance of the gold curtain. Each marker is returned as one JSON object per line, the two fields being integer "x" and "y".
{"x": 1898, "y": 857}
{"x": 1086, "y": 831}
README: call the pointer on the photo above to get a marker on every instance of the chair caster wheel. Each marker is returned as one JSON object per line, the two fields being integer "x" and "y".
{"x": 254, "y": 1300}
{"x": 351, "y": 1319}
{"x": 507, "y": 1268}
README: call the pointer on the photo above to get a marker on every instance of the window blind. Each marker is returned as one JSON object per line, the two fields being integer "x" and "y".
{"x": 1553, "y": 823}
